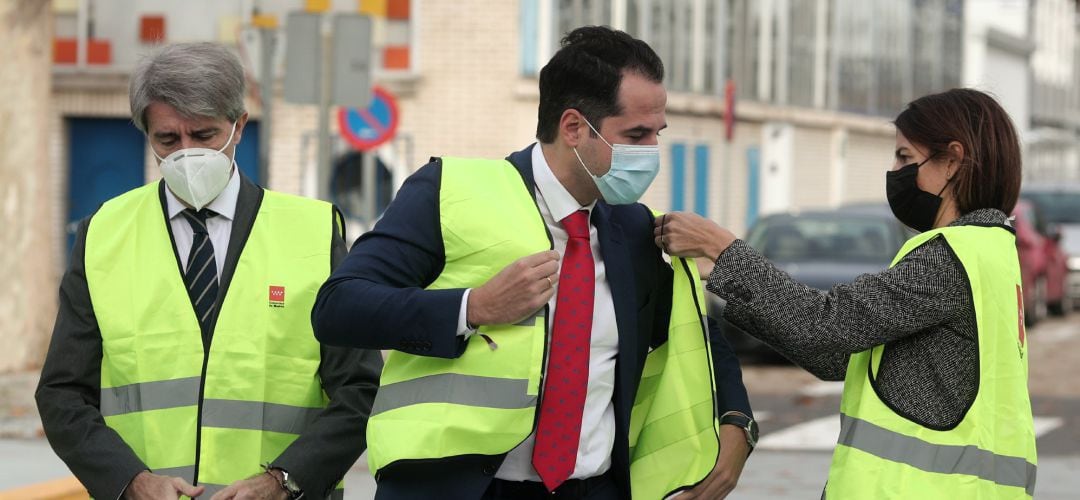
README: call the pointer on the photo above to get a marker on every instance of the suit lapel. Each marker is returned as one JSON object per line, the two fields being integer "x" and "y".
{"x": 618, "y": 270}
{"x": 247, "y": 206}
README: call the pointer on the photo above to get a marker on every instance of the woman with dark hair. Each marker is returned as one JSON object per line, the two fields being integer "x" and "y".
{"x": 932, "y": 350}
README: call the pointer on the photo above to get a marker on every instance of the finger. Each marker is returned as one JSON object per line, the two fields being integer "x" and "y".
{"x": 185, "y": 488}
{"x": 539, "y": 258}
{"x": 225, "y": 494}
{"x": 546, "y": 269}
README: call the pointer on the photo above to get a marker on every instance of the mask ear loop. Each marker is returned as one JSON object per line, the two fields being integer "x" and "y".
{"x": 943, "y": 188}
{"x": 947, "y": 182}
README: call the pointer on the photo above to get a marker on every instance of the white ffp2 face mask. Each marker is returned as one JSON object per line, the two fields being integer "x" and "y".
{"x": 197, "y": 175}
{"x": 633, "y": 169}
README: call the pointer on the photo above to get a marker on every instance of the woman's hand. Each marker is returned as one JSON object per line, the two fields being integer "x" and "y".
{"x": 684, "y": 234}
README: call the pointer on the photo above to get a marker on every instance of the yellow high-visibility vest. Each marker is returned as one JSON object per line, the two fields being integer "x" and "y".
{"x": 485, "y": 401}
{"x": 990, "y": 453}
{"x": 209, "y": 417}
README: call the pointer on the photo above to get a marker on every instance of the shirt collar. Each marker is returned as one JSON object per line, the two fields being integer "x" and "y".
{"x": 224, "y": 205}
{"x": 559, "y": 201}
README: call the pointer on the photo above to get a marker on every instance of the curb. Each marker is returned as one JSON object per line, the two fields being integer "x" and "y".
{"x": 67, "y": 488}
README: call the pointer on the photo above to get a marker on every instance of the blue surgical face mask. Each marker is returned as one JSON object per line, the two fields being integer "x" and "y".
{"x": 633, "y": 169}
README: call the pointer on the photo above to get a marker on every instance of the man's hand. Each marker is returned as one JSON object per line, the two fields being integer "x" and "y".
{"x": 261, "y": 487}
{"x": 729, "y": 465}
{"x": 150, "y": 486}
{"x": 516, "y": 292}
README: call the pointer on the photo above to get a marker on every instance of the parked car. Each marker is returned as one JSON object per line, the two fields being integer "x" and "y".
{"x": 1042, "y": 264}
{"x": 1060, "y": 206}
{"x": 820, "y": 249}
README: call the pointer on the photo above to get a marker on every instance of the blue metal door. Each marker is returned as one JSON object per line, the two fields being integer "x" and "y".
{"x": 106, "y": 157}
{"x": 247, "y": 152}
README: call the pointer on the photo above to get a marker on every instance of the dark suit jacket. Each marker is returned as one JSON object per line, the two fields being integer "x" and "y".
{"x": 69, "y": 390}
{"x": 376, "y": 300}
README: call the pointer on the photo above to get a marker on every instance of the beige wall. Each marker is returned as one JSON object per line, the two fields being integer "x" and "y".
{"x": 467, "y": 98}
{"x": 27, "y": 262}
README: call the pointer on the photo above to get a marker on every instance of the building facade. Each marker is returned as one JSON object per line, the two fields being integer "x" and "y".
{"x": 812, "y": 85}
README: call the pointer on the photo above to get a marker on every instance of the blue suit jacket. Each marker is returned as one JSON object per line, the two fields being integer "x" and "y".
{"x": 376, "y": 300}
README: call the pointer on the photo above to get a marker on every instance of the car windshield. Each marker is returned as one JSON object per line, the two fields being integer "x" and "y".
{"x": 1058, "y": 207}
{"x": 833, "y": 238}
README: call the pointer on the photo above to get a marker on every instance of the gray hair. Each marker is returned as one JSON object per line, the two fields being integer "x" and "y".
{"x": 197, "y": 79}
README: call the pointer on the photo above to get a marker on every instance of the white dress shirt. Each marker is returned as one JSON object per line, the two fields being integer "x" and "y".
{"x": 598, "y": 420}
{"x": 219, "y": 227}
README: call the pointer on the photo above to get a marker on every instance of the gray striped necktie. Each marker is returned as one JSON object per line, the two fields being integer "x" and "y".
{"x": 201, "y": 276}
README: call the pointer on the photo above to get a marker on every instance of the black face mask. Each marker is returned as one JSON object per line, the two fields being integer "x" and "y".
{"x": 914, "y": 207}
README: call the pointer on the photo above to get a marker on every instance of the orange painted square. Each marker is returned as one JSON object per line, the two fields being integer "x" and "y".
{"x": 152, "y": 29}
{"x": 397, "y": 9}
{"x": 65, "y": 50}
{"x": 396, "y": 57}
{"x": 99, "y": 52}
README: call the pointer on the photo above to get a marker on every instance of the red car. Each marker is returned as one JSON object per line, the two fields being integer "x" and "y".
{"x": 1043, "y": 265}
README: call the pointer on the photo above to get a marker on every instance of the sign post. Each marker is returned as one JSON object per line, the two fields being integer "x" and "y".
{"x": 366, "y": 129}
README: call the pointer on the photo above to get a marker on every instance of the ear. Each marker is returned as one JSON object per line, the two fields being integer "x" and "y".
{"x": 956, "y": 155}
{"x": 571, "y": 125}
{"x": 240, "y": 122}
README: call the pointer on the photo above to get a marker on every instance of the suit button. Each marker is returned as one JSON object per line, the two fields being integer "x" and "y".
{"x": 488, "y": 470}
{"x": 728, "y": 287}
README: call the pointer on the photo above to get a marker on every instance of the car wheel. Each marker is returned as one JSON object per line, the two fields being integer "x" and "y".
{"x": 1061, "y": 307}
{"x": 1039, "y": 311}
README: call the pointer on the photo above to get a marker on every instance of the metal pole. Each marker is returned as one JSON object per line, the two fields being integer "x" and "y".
{"x": 266, "y": 92}
{"x": 323, "y": 159}
{"x": 368, "y": 180}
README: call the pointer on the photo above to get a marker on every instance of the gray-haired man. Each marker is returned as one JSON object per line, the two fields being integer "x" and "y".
{"x": 182, "y": 360}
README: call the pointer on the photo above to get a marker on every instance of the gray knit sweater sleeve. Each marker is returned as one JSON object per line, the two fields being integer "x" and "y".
{"x": 818, "y": 329}
{"x": 921, "y": 310}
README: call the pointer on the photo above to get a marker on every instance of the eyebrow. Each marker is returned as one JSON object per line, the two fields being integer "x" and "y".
{"x": 202, "y": 131}
{"x": 642, "y": 129}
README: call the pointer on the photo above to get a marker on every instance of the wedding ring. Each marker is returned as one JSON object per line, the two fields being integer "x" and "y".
{"x": 551, "y": 283}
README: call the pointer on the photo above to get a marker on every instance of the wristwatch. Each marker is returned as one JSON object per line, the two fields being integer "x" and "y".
{"x": 287, "y": 482}
{"x": 747, "y": 424}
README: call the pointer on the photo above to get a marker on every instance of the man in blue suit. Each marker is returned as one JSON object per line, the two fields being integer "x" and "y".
{"x": 602, "y": 106}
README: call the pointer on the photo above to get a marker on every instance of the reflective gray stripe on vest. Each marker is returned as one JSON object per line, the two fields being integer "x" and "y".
{"x": 469, "y": 390}
{"x": 257, "y": 415}
{"x": 213, "y": 489}
{"x": 531, "y": 320}
{"x": 149, "y": 396}
{"x": 185, "y": 473}
{"x": 941, "y": 458}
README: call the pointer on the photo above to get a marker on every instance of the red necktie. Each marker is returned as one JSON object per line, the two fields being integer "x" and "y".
{"x": 559, "y": 429}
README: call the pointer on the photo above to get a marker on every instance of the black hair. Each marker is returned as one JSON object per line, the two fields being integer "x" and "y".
{"x": 585, "y": 75}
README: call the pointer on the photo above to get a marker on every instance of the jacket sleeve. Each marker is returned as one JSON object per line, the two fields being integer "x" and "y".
{"x": 69, "y": 391}
{"x": 819, "y": 330}
{"x": 730, "y": 391}
{"x": 376, "y": 298}
{"x": 332, "y": 443}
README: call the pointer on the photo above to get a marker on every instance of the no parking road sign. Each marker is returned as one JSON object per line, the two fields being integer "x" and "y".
{"x": 366, "y": 129}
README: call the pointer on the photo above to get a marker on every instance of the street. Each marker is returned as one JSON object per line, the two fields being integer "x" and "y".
{"x": 797, "y": 413}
